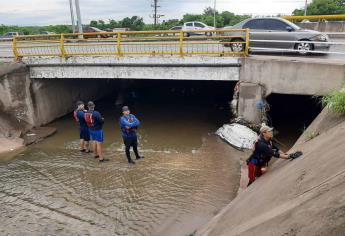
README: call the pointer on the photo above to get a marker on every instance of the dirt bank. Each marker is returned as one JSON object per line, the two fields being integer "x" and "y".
{"x": 301, "y": 197}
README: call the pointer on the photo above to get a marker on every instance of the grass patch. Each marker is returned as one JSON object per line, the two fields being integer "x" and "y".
{"x": 311, "y": 135}
{"x": 335, "y": 101}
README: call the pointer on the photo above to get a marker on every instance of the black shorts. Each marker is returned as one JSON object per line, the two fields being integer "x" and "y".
{"x": 130, "y": 142}
{"x": 84, "y": 133}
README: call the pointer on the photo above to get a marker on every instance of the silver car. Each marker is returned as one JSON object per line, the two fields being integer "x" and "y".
{"x": 271, "y": 33}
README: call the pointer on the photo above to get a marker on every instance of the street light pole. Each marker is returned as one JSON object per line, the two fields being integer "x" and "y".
{"x": 72, "y": 15}
{"x": 214, "y": 13}
{"x": 80, "y": 26}
{"x": 305, "y": 7}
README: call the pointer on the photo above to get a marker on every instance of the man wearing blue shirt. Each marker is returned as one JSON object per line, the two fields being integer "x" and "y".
{"x": 95, "y": 122}
{"x": 83, "y": 128}
{"x": 129, "y": 125}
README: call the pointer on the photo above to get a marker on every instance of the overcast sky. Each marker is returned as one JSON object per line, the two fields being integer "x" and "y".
{"x": 45, "y": 12}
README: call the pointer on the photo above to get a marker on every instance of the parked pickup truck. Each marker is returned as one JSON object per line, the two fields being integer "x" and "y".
{"x": 9, "y": 36}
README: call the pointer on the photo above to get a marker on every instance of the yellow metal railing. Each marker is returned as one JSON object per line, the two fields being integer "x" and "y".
{"x": 316, "y": 17}
{"x": 181, "y": 43}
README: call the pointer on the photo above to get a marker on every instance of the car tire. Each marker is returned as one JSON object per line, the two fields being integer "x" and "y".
{"x": 237, "y": 45}
{"x": 186, "y": 34}
{"x": 99, "y": 36}
{"x": 208, "y": 34}
{"x": 304, "y": 48}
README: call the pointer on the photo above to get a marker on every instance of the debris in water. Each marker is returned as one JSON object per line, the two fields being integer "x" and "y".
{"x": 239, "y": 136}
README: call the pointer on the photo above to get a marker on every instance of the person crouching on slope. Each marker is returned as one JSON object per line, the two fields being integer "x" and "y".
{"x": 95, "y": 122}
{"x": 129, "y": 125}
{"x": 264, "y": 150}
{"x": 79, "y": 116}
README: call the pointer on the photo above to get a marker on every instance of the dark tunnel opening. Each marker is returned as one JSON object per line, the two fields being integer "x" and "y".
{"x": 290, "y": 115}
{"x": 174, "y": 115}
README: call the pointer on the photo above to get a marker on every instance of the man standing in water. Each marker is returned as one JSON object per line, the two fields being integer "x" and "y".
{"x": 95, "y": 122}
{"x": 79, "y": 116}
{"x": 129, "y": 125}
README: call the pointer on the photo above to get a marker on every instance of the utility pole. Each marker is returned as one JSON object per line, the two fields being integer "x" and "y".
{"x": 80, "y": 26}
{"x": 214, "y": 14}
{"x": 155, "y": 16}
{"x": 72, "y": 15}
{"x": 305, "y": 7}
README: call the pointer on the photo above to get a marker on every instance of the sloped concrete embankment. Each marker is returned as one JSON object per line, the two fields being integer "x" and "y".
{"x": 26, "y": 103}
{"x": 301, "y": 197}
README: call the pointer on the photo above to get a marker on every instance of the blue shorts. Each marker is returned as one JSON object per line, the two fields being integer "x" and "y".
{"x": 97, "y": 135}
{"x": 84, "y": 133}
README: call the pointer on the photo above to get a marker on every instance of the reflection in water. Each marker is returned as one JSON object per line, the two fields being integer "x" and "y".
{"x": 186, "y": 177}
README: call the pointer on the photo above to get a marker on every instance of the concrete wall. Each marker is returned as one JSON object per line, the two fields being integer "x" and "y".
{"x": 282, "y": 75}
{"x": 304, "y": 197}
{"x": 150, "y": 67}
{"x": 295, "y": 76}
{"x": 26, "y": 102}
{"x": 330, "y": 26}
{"x": 16, "y": 110}
{"x": 249, "y": 95}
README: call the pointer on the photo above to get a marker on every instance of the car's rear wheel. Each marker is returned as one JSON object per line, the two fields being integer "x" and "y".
{"x": 304, "y": 48}
{"x": 208, "y": 34}
{"x": 186, "y": 34}
{"x": 237, "y": 45}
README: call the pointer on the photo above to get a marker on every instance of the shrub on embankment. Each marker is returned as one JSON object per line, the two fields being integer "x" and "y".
{"x": 335, "y": 101}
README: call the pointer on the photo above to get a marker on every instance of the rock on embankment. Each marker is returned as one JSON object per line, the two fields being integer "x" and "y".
{"x": 301, "y": 197}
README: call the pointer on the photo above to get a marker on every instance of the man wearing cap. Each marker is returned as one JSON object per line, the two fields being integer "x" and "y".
{"x": 264, "y": 150}
{"x": 95, "y": 122}
{"x": 129, "y": 125}
{"x": 79, "y": 116}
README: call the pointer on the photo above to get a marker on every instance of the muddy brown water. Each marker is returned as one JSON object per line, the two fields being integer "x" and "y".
{"x": 187, "y": 176}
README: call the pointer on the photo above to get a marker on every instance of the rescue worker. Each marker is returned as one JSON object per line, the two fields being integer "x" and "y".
{"x": 95, "y": 122}
{"x": 84, "y": 134}
{"x": 129, "y": 125}
{"x": 264, "y": 150}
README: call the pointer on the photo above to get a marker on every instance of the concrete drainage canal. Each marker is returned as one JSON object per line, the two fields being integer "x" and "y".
{"x": 188, "y": 174}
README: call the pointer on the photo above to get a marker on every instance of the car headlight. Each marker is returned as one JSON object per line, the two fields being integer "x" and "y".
{"x": 321, "y": 37}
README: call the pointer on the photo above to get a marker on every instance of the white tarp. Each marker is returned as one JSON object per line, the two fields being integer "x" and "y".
{"x": 237, "y": 135}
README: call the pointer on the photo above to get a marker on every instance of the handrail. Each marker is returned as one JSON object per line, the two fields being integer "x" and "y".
{"x": 163, "y": 42}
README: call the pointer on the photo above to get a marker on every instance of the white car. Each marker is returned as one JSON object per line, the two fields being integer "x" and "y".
{"x": 196, "y": 25}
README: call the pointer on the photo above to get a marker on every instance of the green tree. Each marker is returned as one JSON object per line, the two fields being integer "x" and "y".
{"x": 323, "y": 7}
{"x": 94, "y": 23}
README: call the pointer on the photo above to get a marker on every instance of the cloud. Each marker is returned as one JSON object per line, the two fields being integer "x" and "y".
{"x": 45, "y": 12}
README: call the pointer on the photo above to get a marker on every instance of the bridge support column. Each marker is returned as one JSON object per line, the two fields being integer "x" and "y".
{"x": 249, "y": 96}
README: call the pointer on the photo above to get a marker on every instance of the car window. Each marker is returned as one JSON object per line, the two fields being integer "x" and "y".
{"x": 199, "y": 25}
{"x": 272, "y": 24}
{"x": 255, "y": 24}
{"x": 189, "y": 24}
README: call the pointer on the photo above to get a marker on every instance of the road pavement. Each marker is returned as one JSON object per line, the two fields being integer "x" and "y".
{"x": 6, "y": 49}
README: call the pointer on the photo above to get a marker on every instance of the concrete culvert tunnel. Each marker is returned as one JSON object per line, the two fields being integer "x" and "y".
{"x": 291, "y": 115}
{"x": 168, "y": 109}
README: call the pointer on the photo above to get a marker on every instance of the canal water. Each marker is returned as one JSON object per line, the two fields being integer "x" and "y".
{"x": 187, "y": 175}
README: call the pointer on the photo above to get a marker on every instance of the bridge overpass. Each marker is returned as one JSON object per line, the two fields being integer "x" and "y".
{"x": 155, "y": 55}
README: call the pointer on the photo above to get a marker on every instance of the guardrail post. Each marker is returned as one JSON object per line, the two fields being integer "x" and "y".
{"x": 62, "y": 45}
{"x": 14, "y": 48}
{"x": 181, "y": 43}
{"x": 119, "y": 53}
{"x": 247, "y": 43}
